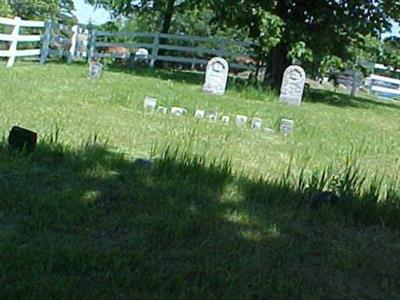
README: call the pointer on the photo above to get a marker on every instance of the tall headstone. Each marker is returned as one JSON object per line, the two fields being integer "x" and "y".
{"x": 216, "y": 76}
{"x": 292, "y": 88}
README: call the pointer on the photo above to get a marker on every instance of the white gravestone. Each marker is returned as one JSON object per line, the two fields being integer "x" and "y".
{"x": 213, "y": 116}
{"x": 286, "y": 126}
{"x": 141, "y": 54}
{"x": 162, "y": 109}
{"x": 256, "y": 123}
{"x": 178, "y": 111}
{"x": 216, "y": 76}
{"x": 241, "y": 120}
{"x": 268, "y": 130}
{"x": 95, "y": 70}
{"x": 225, "y": 119}
{"x": 150, "y": 104}
{"x": 199, "y": 114}
{"x": 292, "y": 87}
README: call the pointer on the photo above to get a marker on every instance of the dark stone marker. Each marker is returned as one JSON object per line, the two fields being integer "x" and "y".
{"x": 22, "y": 139}
{"x": 323, "y": 198}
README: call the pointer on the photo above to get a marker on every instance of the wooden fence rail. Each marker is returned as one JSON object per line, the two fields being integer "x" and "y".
{"x": 15, "y": 37}
{"x": 62, "y": 41}
{"x": 158, "y": 43}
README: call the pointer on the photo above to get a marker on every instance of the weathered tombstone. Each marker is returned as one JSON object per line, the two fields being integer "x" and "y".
{"x": 141, "y": 54}
{"x": 292, "y": 88}
{"x": 150, "y": 104}
{"x": 225, "y": 119}
{"x": 256, "y": 123}
{"x": 286, "y": 126}
{"x": 213, "y": 116}
{"x": 199, "y": 114}
{"x": 22, "y": 139}
{"x": 95, "y": 70}
{"x": 241, "y": 120}
{"x": 268, "y": 130}
{"x": 178, "y": 111}
{"x": 216, "y": 76}
{"x": 162, "y": 109}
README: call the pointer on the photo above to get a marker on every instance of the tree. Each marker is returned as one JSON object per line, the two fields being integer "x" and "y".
{"x": 164, "y": 10}
{"x": 391, "y": 52}
{"x": 5, "y": 9}
{"x": 58, "y": 10}
{"x": 325, "y": 27}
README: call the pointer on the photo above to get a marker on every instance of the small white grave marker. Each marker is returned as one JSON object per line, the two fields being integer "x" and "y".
{"x": 141, "y": 54}
{"x": 178, "y": 111}
{"x": 95, "y": 70}
{"x": 162, "y": 109}
{"x": 241, "y": 120}
{"x": 268, "y": 130}
{"x": 256, "y": 123}
{"x": 216, "y": 76}
{"x": 286, "y": 126}
{"x": 225, "y": 119}
{"x": 199, "y": 114}
{"x": 292, "y": 88}
{"x": 213, "y": 116}
{"x": 150, "y": 104}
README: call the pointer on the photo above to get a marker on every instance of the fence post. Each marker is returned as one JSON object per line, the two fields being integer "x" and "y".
{"x": 44, "y": 53}
{"x": 74, "y": 41}
{"x": 13, "y": 47}
{"x": 92, "y": 45}
{"x": 154, "y": 52}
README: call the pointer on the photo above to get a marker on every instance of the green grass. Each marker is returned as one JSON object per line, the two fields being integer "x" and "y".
{"x": 82, "y": 221}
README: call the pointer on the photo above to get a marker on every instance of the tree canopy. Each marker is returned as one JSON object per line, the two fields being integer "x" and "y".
{"x": 38, "y": 9}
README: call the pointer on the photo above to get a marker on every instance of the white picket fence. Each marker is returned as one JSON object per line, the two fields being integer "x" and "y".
{"x": 15, "y": 37}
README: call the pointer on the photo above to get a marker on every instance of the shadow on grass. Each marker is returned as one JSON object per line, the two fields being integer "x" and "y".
{"x": 91, "y": 223}
{"x": 342, "y": 100}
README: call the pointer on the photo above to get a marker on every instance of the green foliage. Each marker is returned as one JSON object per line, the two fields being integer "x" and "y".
{"x": 330, "y": 63}
{"x": 391, "y": 52}
{"x": 58, "y": 10}
{"x": 270, "y": 30}
{"x": 300, "y": 52}
{"x": 5, "y": 9}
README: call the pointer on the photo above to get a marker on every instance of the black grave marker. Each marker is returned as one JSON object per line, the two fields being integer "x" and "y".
{"x": 22, "y": 139}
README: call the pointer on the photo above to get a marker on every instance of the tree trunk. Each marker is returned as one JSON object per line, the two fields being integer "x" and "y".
{"x": 277, "y": 59}
{"x": 166, "y": 25}
{"x": 167, "y": 16}
{"x": 277, "y": 63}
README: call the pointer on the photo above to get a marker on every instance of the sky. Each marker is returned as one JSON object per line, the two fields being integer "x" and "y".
{"x": 86, "y": 12}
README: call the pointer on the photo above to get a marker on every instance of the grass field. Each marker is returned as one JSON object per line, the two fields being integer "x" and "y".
{"x": 79, "y": 220}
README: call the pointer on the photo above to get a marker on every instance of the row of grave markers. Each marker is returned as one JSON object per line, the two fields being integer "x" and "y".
{"x": 150, "y": 105}
{"x": 216, "y": 79}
